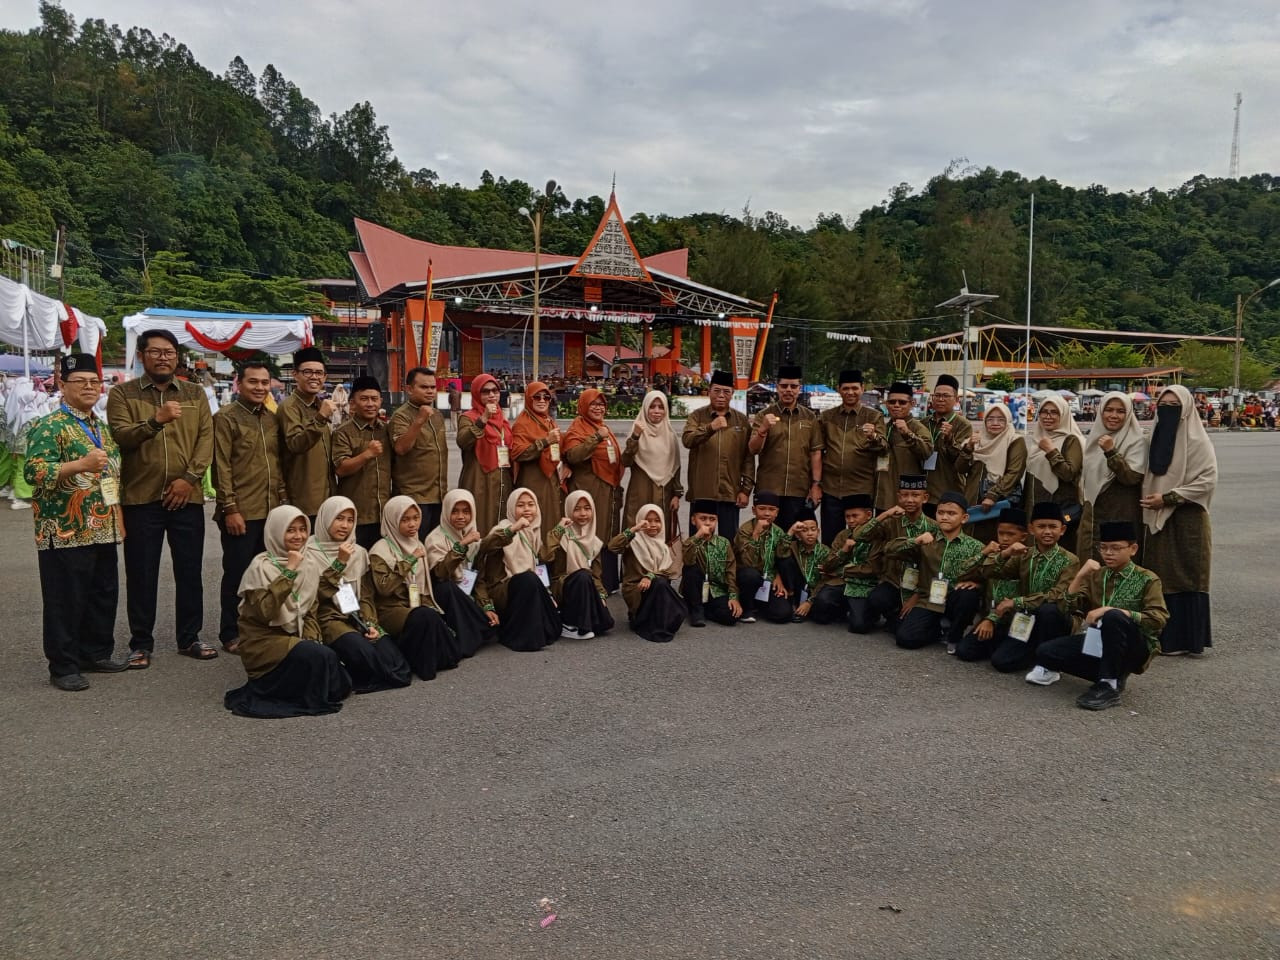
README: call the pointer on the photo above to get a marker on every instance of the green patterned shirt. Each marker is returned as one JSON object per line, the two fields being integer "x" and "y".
{"x": 71, "y": 512}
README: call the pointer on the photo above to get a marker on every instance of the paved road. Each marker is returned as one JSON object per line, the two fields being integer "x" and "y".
{"x": 741, "y": 793}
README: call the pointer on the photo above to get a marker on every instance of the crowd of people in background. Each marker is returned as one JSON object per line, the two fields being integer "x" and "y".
{"x": 349, "y": 563}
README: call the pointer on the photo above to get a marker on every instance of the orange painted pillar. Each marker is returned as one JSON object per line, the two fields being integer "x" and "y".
{"x": 675, "y": 348}
{"x": 706, "y": 353}
{"x": 646, "y": 351}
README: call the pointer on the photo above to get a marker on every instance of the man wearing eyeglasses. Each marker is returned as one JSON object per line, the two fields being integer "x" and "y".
{"x": 949, "y": 430}
{"x": 907, "y": 445}
{"x": 722, "y": 469}
{"x": 73, "y": 466}
{"x": 165, "y": 433}
{"x": 788, "y": 440}
{"x": 306, "y": 437}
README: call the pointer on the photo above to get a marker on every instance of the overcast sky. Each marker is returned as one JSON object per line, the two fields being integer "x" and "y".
{"x": 797, "y": 106}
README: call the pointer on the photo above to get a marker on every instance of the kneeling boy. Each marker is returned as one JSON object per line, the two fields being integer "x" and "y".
{"x": 709, "y": 581}
{"x": 859, "y": 563}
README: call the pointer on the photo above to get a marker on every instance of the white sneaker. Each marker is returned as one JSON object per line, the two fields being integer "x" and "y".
{"x": 20, "y": 505}
{"x": 746, "y": 619}
{"x": 1042, "y": 677}
{"x": 569, "y": 632}
{"x": 6, "y": 492}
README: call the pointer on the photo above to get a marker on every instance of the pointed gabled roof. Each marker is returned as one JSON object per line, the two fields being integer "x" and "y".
{"x": 611, "y": 252}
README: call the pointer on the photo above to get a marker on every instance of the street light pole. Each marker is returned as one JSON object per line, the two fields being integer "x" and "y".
{"x": 535, "y": 220}
{"x": 1241, "y": 303}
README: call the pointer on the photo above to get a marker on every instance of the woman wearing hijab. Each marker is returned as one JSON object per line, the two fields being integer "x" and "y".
{"x": 1182, "y": 472}
{"x": 484, "y": 437}
{"x": 535, "y": 445}
{"x": 592, "y": 453}
{"x": 345, "y": 608}
{"x": 653, "y": 454}
{"x": 291, "y": 672}
{"x": 574, "y": 551}
{"x": 1115, "y": 465}
{"x": 407, "y": 609}
{"x": 514, "y": 583}
{"x": 994, "y": 458}
{"x": 1055, "y": 460}
{"x": 451, "y": 551}
{"x": 655, "y": 609}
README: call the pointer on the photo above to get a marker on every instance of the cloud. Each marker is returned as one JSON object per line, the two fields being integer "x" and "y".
{"x": 797, "y": 107}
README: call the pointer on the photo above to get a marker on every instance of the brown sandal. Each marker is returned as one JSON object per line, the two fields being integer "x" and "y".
{"x": 139, "y": 659}
{"x": 198, "y": 650}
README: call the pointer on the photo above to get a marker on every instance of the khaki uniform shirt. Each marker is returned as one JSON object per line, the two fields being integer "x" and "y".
{"x": 785, "y": 467}
{"x": 954, "y": 560}
{"x": 154, "y": 453}
{"x": 948, "y": 473}
{"x": 720, "y": 465}
{"x": 306, "y": 449}
{"x": 247, "y": 474}
{"x": 369, "y": 488}
{"x": 422, "y": 473}
{"x": 849, "y": 455}
{"x": 906, "y": 454}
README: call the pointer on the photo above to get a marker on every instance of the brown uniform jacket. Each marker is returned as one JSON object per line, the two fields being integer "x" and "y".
{"x": 906, "y": 454}
{"x": 849, "y": 455}
{"x": 950, "y": 472}
{"x": 246, "y": 461}
{"x": 720, "y": 465}
{"x": 369, "y": 488}
{"x": 152, "y": 454}
{"x": 423, "y": 472}
{"x": 306, "y": 449}
{"x": 784, "y": 465}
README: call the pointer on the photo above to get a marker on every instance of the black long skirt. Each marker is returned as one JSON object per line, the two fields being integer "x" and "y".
{"x": 463, "y": 615}
{"x": 661, "y": 613}
{"x": 1189, "y": 628}
{"x": 427, "y": 643}
{"x": 372, "y": 666}
{"x": 530, "y": 620}
{"x": 581, "y": 607}
{"x": 309, "y": 681}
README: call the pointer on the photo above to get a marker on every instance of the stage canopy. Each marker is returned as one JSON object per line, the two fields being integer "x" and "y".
{"x": 41, "y": 324}
{"x": 275, "y": 333}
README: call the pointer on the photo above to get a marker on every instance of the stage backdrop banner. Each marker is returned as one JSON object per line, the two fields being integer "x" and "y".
{"x": 512, "y": 351}
{"x": 743, "y": 332}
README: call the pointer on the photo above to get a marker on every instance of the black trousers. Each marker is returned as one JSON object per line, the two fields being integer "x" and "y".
{"x": 716, "y": 609}
{"x": 921, "y": 627}
{"x": 430, "y": 520}
{"x": 1123, "y": 650}
{"x": 832, "y": 516}
{"x": 727, "y": 513}
{"x": 861, "y": 617}
{"x": 885, "y": 600}
{"x": 789, "y": 511}
{"x": 237, "y": 552}
{"x": 828, "y": 606}
{"x": 776, "y": 610}
{"x": 147, "y": 526}
{"x": 80, "y": 589}
{"x": 1014, "y": 656}
{"x": 367, "y": 534}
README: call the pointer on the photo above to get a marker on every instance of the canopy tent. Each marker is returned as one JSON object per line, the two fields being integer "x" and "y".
{"x": 275, "y": 333}
{"x": 12, "y": 364}
{"x": 33, "y": 321}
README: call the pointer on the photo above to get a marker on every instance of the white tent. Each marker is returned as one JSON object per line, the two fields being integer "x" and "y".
{"x": 274, "y": 333}
{"x": 35, "y": 322}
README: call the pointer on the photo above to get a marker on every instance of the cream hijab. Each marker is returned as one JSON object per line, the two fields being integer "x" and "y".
{"x": 659, "y": 453}
{"x": 654, "y": 553}
{"x": 992, "y": 449}
{"x": 393, "y": 548}
{"x": 322, "y": 549}
{"x": 1131, "y": 444}
{"x": 1193, "y": 472}
{"x": 442, "y": 539}
{"x": 267, "y": 567}
{"x": 1037, "y": 463}
{"x": 585, "y": 546}
{"x": 521, "y": 554}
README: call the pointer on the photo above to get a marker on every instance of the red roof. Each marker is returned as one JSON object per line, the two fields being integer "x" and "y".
{"x": 387, "y": 259}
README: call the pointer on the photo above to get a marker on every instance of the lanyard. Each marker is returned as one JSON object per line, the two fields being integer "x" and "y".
{"x": 282, "y": 568}
{"x": 585, "y": 552}
{"x": 90, "y": 432}
{"x": 407, "y": 558}
{"x": 1106, "y": 575}
{"x": 813, "y": 565}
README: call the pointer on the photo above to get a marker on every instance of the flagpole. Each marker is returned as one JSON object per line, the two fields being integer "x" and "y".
{"x": 424, "y": 345}
{"x": 1031, "y": 235}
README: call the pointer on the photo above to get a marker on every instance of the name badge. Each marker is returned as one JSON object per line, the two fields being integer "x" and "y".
{"x": 467, "y": 582}
{"x": 555, "y": 453}
{"x": 766, "y": 587}
{"x": 541, "y": 571}
{"x": 930, "y": 462}
{"x": 706, "y": 592}
{"x": 1022, "y": 625}
{"x": 504, "y": 456}
{"x": 110, "y": 491}
{"x": 1092, "y": 642}
{"x": 938, "y": 588}
{"x": 346, "y": 599}
{"x": 415, "y": 595}
{"x": 882, "y": 463}
{"x": 804, "y": 596}
{"x": 910, "y": 578}
{"x": 613, "y": 451}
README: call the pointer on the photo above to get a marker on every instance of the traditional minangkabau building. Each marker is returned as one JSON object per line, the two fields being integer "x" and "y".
{"x": 482, "y": 303}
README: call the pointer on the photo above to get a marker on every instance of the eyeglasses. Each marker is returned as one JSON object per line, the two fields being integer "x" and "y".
{"x": 597, "y": 403}
{"x": 896, "y": 403}
{"x": 542, "y": 396}
{"x": 490, "y": 390}
{"x": 82, "y": 383}
{"x": 161, "y": 354}
{"x": 311, "y": 373}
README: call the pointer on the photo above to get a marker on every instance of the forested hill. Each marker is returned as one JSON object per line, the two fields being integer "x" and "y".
{"x": 217, "y": 179}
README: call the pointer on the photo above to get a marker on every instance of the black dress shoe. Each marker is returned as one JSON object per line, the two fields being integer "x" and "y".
{"x": 1098, "y": 697}
{"x": 72, "y": 681}
{"x": 106, "y": 665}
{"x": 697, "y": 623}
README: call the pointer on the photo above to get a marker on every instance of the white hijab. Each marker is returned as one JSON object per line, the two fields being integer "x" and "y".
{"x": 394, "y": 548}
{"x": 1130, "y": 443}
{"x": 585, "y": 546}
{"x": 659, "y": 453}
{"x": 322, "y": 549}
{"x": 521, "y": 554}
{"x": 267, "y": 567}
{"x": 442, "y": 539}
{"x": 654, "y": 553}
{"x": 1037, "y": 462}
{"x": 1193, "y": 472}
{"x": 992, "y": 449}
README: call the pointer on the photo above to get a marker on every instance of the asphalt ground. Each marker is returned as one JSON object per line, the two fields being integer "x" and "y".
{"x": 755, "y": 791}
